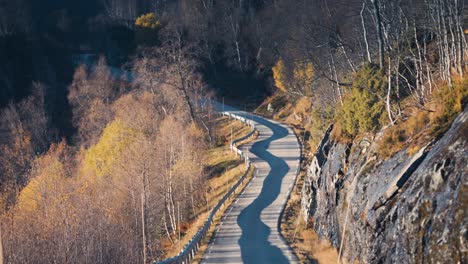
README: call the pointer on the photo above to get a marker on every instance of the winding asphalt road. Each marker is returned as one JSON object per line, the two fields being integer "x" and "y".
{"x": 249, "y": 231}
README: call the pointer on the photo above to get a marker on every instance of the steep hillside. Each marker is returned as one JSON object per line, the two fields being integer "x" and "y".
{"x": 405, "y": 209}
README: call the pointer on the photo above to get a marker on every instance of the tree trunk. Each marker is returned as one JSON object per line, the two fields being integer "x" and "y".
{"x": 168, "y": 233}
{"x": 335, "y": 75}
{"x": 461, "y": 36}
{"x": 418, "y": 64}
{"x": 171, "y": 205}
{"x": 1, "y": 245}
{"x": 389, "y": 110}
{"x": 189, "y": 104}
{"x": 379, "y": 31}
{"x": 369, "y": 59}
{"x": 238, "y": 55}
{"x": 143, "y": 226}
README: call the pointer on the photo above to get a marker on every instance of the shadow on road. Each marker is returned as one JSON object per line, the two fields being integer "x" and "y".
{"x": 253, "y": 242}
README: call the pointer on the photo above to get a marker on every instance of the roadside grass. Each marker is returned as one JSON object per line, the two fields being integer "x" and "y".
{"x": 217, "y": 220}
{"x": 302, "y": 238}
{"x": 238, "y": 131}
{"x": 223, "y": 170}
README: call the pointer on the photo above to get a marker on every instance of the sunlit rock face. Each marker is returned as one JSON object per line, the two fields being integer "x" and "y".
{"x": 406, "y": 209}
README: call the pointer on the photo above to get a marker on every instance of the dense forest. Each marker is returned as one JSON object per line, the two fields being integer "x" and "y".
{"x": 102, "y": 135}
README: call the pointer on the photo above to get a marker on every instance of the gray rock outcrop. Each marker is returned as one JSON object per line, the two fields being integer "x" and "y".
{"x": 406, "y": 209}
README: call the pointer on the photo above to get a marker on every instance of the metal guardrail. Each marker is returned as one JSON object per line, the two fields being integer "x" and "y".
{"x": 191, "y": 248}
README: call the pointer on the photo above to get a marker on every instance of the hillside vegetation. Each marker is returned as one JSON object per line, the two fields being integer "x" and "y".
{"x": 107, "y": 153}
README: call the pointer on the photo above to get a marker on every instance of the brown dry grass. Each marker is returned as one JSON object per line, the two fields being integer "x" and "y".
{"x": 228, "y": 170}
{"x": 217, "y": 219}
{"x": 320, "y": 249}
{"x": 224, "y": 126}
{"x": 277, "y": 101}
{"x": 303, "y": 239}
{"x": 299, "y": 112}
{"x": 422, "y": 125}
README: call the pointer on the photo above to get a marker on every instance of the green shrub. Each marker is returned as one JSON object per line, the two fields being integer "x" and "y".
{"x": 371, "y": 78}
{"x": 363, "y": 106}
{"x": 321, "y": 118}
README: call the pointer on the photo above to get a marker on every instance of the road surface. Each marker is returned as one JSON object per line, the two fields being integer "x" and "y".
{"x": 249, "y": 230}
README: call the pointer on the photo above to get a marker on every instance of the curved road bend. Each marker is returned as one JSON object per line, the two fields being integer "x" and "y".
{"x": 249, "y": 231}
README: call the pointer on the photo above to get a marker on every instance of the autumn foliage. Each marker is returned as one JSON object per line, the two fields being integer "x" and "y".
{"x": 101, "y": 158}
{"x": 148, "y": 21}
{"x": 279, "y": 75}
{"x": 119, "y": 190}
{"x": 296, "y": 79}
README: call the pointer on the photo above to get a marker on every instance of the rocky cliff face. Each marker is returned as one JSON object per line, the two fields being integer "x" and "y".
{"x": 406, "y": 209}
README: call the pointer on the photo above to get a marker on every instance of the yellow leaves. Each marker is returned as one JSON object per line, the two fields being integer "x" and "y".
{"x": 101, "y": 158}
{"x": 304, "y": 73}
{"x": 183, "y": 167}
{"x": 148, "y": 21}
{"x": 21, "y": 147}
{"x": 47, "y": 203}
{"x": 138, "y": 111}
{"x": 299, "y": 77}
{"x": 42, "y": 187}
{"x": 279, "y": 75}
{"x": 195, "y": 132}
{"x": 49, "y": 184}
